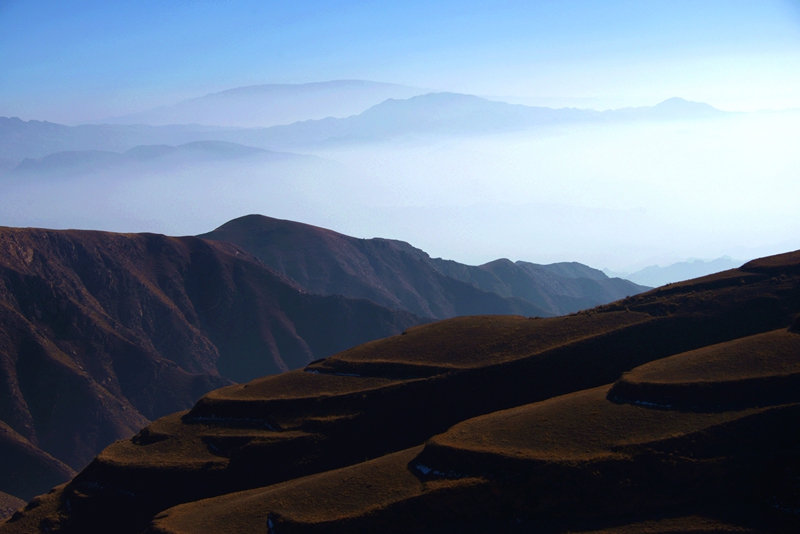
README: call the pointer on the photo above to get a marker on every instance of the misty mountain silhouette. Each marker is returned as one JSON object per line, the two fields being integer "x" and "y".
{"x": 684, "y": 270}
{"x": 672, "y": 108}
{"x": 272, "y": 104}
{"x": 35, "y": 139}
{"x": 444, "y": 114}
{"x": 429, "y": 114}
{"x": 670, "y": 411}
{"x": 400, "y": 276}
{"x": 188, "y": 153}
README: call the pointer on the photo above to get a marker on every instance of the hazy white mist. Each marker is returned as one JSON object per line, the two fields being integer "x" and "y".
{"x": 620, "y": 196}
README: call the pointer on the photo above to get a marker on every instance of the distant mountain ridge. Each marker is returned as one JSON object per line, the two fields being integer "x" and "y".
{"x": 396, "y": 274}
{"x": 193, "y": 152}
{"x": 443, "y": 114}
{"x": 35, "y": 139}
{"x": 429, "y": 114}
{"x": 655, "y": 275}
{"x": 271, "y": 104}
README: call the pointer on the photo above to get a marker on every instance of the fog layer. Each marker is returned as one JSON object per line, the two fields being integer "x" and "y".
{"x": 609, "y": 195}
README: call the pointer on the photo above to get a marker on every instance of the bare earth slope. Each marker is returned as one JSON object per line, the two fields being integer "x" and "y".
{"x": 541, "y": 436}
{"x": 395, "y": 274}
{"x": 101, "y": 333}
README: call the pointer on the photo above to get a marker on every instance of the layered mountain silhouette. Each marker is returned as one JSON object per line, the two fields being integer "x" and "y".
{"x": 271, "y": 104}
{"x": 447, "y": 114}
{"x": 165, "y": 156}
{"x": 655, "y": 275}
{"x": 101, "y": 333}
{"x": 670, "y": 411}
{"x": 430, "y": 114}
{"x": 400, "y": 276}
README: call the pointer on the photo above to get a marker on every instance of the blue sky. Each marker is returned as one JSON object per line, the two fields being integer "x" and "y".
{"x": 70, "y": 61}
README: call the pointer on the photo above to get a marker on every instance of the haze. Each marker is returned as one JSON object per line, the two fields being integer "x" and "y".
{"x": 615, "y": 193}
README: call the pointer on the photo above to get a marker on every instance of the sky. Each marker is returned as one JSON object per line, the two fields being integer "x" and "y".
{"x": 619, "y": 197}
{"x": 72, "y": 61}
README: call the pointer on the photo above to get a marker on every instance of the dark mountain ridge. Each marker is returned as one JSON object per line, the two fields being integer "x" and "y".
{"x": 400, "y": 276}
{"x": 588, "y": 422}
{"x": 102, "y": 332}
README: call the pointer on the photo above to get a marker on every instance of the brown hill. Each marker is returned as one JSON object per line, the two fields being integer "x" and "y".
{"x": 585, "y": 458}
{"x": 395, "y": 274}
{"x": 523, "y": 460}
{"x": 8, "y": 505}
{"x": 102, "y": 332}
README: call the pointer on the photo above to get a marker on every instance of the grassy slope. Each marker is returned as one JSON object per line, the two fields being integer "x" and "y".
{"x": 397, "y": 393}
{"x": 577, "y": 457}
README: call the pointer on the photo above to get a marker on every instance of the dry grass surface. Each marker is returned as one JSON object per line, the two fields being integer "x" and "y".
{"x": 8, "y": 505}
{"x": 547, "y": 425}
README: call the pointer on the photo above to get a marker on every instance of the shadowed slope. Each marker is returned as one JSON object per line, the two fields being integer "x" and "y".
{"x": 758, "y": 370}
{"x": 25, "y": 469}
{"x": 101, "y": 332}
{"x": 559, "y": 288}
{"x": 329, "y": 263}
{"x": 395, "y": 274}
{"x": 396, "y": 393}
{"x": 579, "y": 460}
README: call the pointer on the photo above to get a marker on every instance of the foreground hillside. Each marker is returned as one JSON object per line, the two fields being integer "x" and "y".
{"x": 670, "y": 411}
{"x": 101, "y": 333}
{"x": 400, "y": 276}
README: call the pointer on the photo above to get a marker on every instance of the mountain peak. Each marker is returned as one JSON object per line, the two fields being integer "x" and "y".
{"x": 678, "y": 104}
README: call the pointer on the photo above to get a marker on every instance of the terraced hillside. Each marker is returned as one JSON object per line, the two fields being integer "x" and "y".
{"x": 671, "y": 411}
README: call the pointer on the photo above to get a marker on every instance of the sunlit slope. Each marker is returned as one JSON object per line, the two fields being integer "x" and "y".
{"x": 583, "y": 460}
{"x": 396, "y": 393}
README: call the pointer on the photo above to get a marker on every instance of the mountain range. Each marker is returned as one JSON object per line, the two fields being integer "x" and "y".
{"x": 101, "y": 333}
{"x": 423, "y": 115}
{"x": 670, "y": 411}
{"x": 397, "y": 275}
{"x": 272, "y": 104}
{"x": 166, "y": 156}
{"x": 655, "y": 275}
